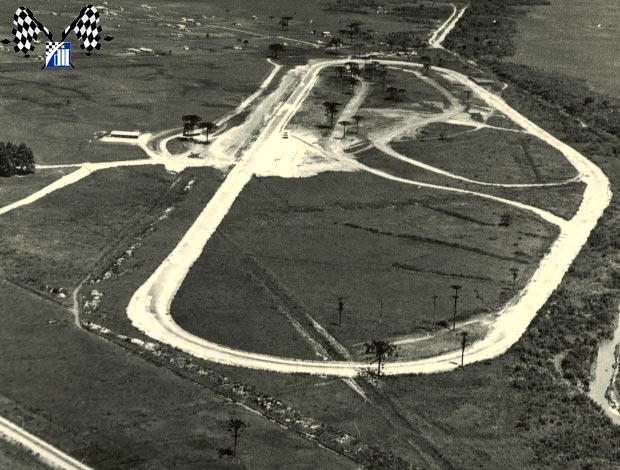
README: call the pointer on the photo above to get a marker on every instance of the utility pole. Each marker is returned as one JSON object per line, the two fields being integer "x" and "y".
{"x": 456, "y": 288}
{"x": 381, "y": 311}
{"x": 463, "y": 344}
{"x": 340, "y": 309}
{"x": 514, "y": 272}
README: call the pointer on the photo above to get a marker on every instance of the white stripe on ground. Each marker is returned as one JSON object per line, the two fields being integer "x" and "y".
{"x": 41, "y": 449}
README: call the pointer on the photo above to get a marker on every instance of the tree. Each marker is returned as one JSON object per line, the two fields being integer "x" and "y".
{"x": 354, "y": 28}
{"x": 426, "y": 63}
{"x": 381, "y": 350}
{"x": 514, "y": 272}
{"x": 236, "y": 426}
{"x": 23, "y": 159}
{"x": 189, "y": 123}
{"x": 275, "y": 48}
{"x": 344, "y": 125}
{"x": 456, "y": 288}
{"x": 463, "y": 345}
{"x": 331, "y": 109}
{"x": 7, "y": 167}
{"x": 357, "y": 118}
{"x": 207, "y": 126}
{"x": 284, "y": 22}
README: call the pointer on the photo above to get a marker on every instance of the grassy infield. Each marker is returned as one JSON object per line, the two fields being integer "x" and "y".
{"x": 123, "y": 413}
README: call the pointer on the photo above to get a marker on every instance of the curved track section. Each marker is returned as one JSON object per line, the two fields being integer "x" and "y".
{"x": 149, "y": 308}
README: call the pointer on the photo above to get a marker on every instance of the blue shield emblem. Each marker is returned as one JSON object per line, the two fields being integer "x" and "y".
{"x": 58, "y": 55}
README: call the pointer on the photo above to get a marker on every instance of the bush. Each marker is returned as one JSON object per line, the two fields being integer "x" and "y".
{"x": 15, "y": 159}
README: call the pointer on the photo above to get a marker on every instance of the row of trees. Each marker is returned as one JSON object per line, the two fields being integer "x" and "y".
{"x": 15, "y": 159}
{"x": 191, "y": 122}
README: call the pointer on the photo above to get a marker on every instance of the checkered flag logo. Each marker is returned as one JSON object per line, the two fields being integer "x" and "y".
{"x": 87, "y": 28}
{"x": 26, "y": 30}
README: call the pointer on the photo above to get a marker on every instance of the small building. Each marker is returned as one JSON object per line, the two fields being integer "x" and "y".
{"x": 326, "y": 34}
{"x": 146, "y": 50}
{"x": 125, "y": 134}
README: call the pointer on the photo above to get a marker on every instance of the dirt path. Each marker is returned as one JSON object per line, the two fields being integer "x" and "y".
{"x": 42, "y": 450}
{"x": 149, "y": 309}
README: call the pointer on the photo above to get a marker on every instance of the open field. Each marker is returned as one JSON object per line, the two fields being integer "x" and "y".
{"x": 13, "y": 457}
{"x": 123, "y": 412}
{"x": 491, "y": 156}
{"x": 60, "y": 239}
{"x": 224, "y": 300}
{"x": 18, "y": 187}
{"x": 583, "y": 32}
{"x": 322, "y": 238}
{"x": 561, "y": 200}
{"x": 416, "y": 94}
{"x": 61, "y": 116}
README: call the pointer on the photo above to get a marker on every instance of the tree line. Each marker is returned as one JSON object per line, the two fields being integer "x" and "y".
{"x": 15, "y": 159}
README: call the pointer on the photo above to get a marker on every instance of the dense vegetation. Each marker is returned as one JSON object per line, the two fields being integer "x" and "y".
{"x": 15, "y": 159}
{"x": 552, "y": 363}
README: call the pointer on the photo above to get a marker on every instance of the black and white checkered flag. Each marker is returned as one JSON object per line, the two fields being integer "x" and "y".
{"x": 26, "y": 30}
{"x": 87, "y": 28}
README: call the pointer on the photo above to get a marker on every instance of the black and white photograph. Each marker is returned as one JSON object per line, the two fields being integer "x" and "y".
{"x": 328, "y": 235}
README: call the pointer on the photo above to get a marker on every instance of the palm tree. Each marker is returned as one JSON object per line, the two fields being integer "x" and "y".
{"x": 381, "y": 349}
{"x": 463, "y": 345}
{"x": 331, "y": 109}
{"x": 275, "y": 48}
{"x": 284, "y": 22}
{"x": 426, "y": 63}
{"x": 344, "y": 125}
{"x": 207, "y": 126}
{"x": 189, "y": 123}
{"x": 235, "y": 426}
{"x": 357, "y": 118}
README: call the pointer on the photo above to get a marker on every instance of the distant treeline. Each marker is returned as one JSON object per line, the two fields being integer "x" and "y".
{"x": 15, "y": 159}
{"x": 486, "y": 34}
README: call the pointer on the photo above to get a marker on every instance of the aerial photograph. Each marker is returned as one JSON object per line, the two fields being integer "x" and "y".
{"x": 344, "y": 234}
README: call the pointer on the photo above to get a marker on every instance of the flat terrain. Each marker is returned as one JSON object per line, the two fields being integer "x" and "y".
{"x": 580, "y": 38}
{"x": 16, "y": 188}
{"x": 59, "y": 239}
{"x": 373, "y": 242}
{"x": 562, "y": 200}
{"x": 124, "y": 412}
{"x": 491, "y": 156}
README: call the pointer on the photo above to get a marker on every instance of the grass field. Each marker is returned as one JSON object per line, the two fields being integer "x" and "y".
{"x": 491, "y": 156}
{"x": 13, "y": 457}
{"x": 574, "y": 32}
{"x": 58, "y": 240}
{"x": 311, "y": 114}
{"x": 417, "y": 94}
{"x": 118, "y": 411}
{"x": 561, "y": 200}
{"x": 234, "y": 307}
{"x": 378, "y": 247}
{"x": 18, "y": 187}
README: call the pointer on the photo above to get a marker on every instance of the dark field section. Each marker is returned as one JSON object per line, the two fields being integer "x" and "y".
{"x": 563, "y": 200}
{"x": 384, "y": 247}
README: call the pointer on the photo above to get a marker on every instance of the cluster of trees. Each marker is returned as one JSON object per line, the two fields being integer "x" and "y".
{"x": 191, "y": 122}
{"x": 15, "y": 159}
